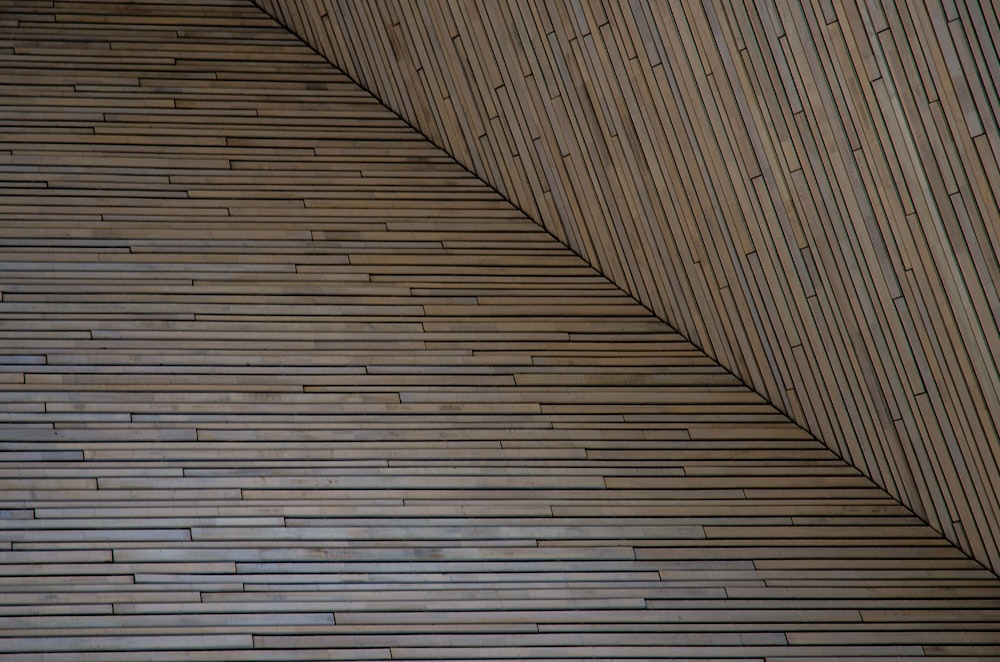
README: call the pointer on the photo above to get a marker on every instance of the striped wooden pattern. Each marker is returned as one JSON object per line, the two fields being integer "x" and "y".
{"x": 281, "y": 381}
{"x": 808, "y": 191}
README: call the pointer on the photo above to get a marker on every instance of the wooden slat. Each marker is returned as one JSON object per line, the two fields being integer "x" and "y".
{"x": 283, "y": 381}
{"x": 807, "y": 192}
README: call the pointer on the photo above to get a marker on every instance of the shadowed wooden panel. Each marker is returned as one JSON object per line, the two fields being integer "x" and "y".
{"x": 283, "y": 381}
{"x": 807, "y": 191}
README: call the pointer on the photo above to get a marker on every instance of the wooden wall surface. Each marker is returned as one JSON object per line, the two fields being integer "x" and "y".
{"x": 808, "y": 191}
{"x": 279, "y": 380}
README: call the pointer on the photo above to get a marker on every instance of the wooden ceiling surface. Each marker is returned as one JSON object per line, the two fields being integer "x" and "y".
{"x": 282, "y": 381}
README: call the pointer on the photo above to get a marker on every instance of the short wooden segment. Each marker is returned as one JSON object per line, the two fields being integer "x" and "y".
{"x": 806, "y": 190}
{"x": 279, "y": 380}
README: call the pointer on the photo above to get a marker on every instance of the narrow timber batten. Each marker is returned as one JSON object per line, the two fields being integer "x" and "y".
{"x": 280, "y": 380}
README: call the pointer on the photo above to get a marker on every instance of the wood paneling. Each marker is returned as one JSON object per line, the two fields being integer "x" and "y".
{"x": 283, "y": 381}
{"x": 808, "y": 191}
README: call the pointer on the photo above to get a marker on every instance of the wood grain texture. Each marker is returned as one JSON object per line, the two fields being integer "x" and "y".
{"x": 807, "y": 191}
{"x": 282, "y": 381}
